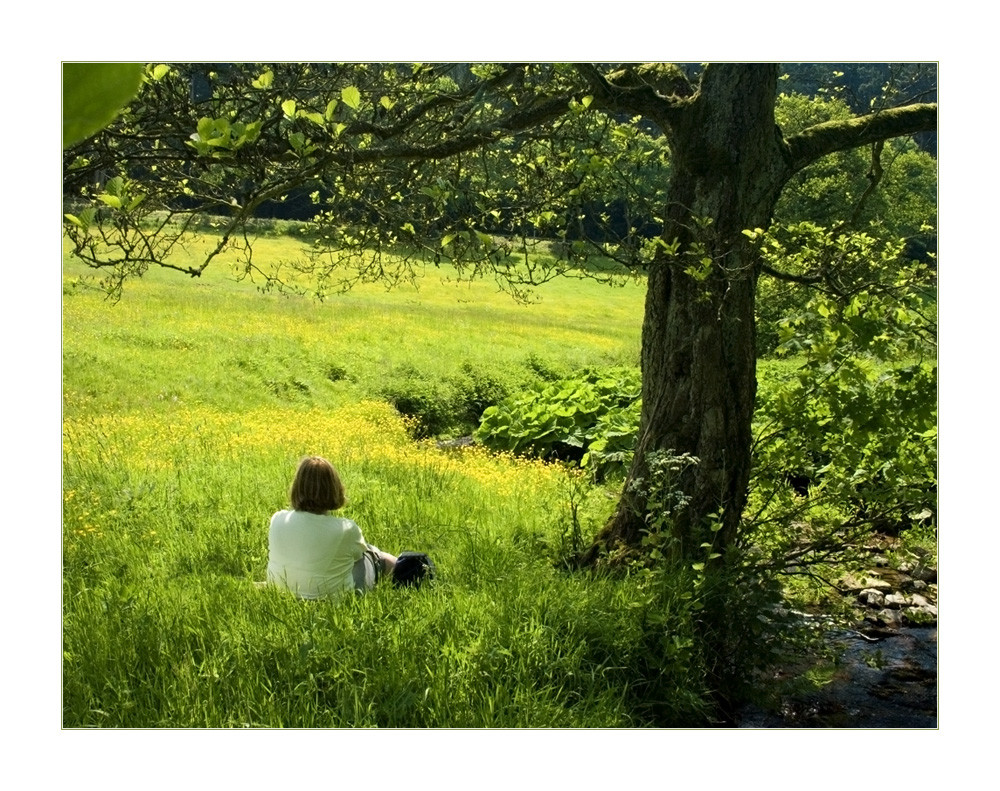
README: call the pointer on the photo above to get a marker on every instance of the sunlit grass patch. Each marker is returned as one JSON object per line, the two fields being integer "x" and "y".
{"x": 198, "y": 480}
{"x": 217, "y": 341}
{"x": 165, "y": 521}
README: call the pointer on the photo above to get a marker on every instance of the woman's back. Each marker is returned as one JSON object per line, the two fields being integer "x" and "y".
{"x": 313, "y": 554}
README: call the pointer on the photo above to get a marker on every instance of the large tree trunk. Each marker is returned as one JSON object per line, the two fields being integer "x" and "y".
{"x": 698, "y": 350}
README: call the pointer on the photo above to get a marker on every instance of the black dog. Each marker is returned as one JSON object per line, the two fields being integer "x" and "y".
{"x": 412, "y": 568}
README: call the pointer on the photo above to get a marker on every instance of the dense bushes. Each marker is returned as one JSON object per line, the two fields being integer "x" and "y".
{"x": 853, "y": 424}
{"x": 535, "y": 410}
{"x": 448, "y": 406}
{"x": 590, "y": 419}
{"x": 849, "y": 441}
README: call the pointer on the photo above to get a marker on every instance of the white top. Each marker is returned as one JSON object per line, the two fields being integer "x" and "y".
{"x": 313, "y": 555}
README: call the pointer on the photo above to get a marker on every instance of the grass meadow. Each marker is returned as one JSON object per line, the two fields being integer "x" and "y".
{"x": 186, "y": 407}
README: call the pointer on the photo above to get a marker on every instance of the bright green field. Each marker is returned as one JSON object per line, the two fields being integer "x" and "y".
{"x": 186, "y": 408}
{"x": 215, "y": 341}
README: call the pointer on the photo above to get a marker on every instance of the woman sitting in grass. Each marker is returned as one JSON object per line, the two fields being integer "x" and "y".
{"x": 313, "y": 553}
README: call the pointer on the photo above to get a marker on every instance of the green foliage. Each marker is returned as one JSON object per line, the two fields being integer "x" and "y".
{"x": 836, "y": 189}
{"x": 864, "y": 437}
{"x": 277, "y": 133}
{"x": 846, "y": 222}
{"x": 477, "y": 165}
{"x": 739, "y": 628}
{"x": 665, "y": 498}
{"x": 451, "y": 405}
{"x": 590, "y": 418}
{"x": 93, "y": 94}
{"x": 842, "y": 265}
{"x": 847, "y": 440}
{"x": 217, "y": 135}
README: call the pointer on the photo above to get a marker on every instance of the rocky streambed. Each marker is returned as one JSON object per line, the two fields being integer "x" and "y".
{"x": 884, "y": 670}
{"x": 892, "y": 597}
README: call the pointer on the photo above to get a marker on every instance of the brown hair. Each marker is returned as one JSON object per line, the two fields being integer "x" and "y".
{"x": 317, "y": 487}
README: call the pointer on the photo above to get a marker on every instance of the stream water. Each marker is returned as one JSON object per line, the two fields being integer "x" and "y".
{"x": 885, "y": 679}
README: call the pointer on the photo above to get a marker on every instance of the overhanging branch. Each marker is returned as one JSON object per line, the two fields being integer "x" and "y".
{"x": 832, "y": 136}
{"x": 448, "y": 146}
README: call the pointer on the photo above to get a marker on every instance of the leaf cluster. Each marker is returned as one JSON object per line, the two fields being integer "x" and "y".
{"x": 590, "y": 418}
{"x": 846, "y": 441}
{"x": 838, "y": 265}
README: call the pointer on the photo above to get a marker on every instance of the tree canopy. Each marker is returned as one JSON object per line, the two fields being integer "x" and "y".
{"x": 443, "y": 159}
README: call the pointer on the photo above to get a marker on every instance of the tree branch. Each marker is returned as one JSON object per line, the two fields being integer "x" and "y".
{"x": 807, "y": 280}
{"x": 450, "y": 145}
{"x": 827, "y": 138}
{"x": 627, "y": 92}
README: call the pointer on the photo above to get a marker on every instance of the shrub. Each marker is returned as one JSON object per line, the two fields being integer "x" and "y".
{"x": 846, "y": 442}
{"x": 544, "y": 369}
{"x": 451, "y": 405}
{"x": 590, "y": 419}
{"x": 476, "y": 388}
{"x": 426, "y": 400}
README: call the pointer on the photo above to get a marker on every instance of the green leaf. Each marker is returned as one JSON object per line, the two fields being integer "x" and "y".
{"x": 265, "y": 80}
{"x": 206, "y": 128}
{"x": 351, "y": 96}
{"x": 316, "y": 118}
{"x": 288, "y": 107}
{"x": 252, "y": 131}
{"x": 111, "y": 200}
{"x": 115, "y": 186}
{"x": 160, "y": 71}
{"x": 74, "y": 219}
{"x": 87, "y": 216}
{"x": 94, "y": 94}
